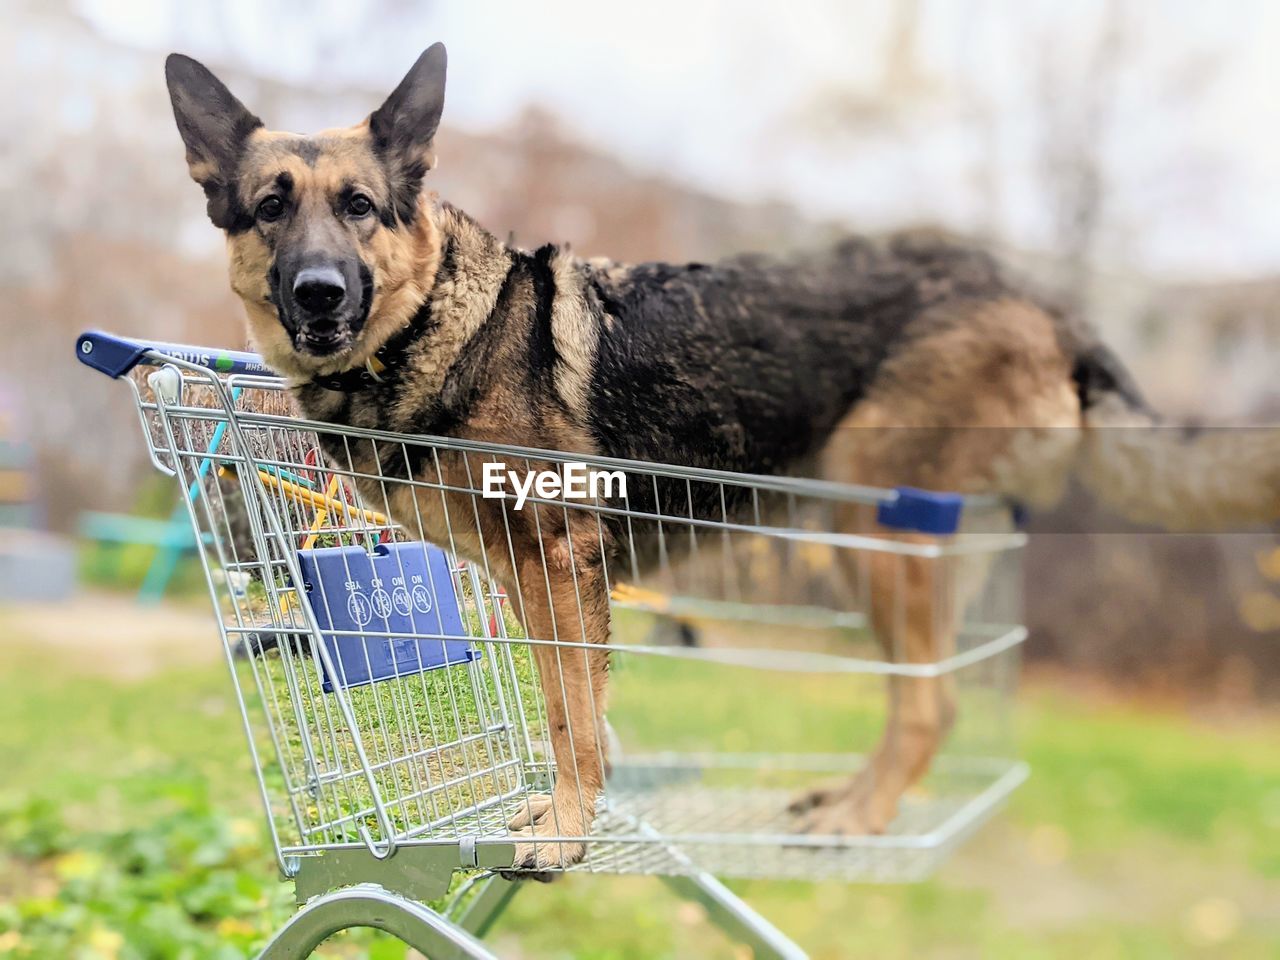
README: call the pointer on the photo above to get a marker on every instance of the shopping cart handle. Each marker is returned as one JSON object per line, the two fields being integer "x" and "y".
{"x": 116, "y": 356}
{"x": 923, "y": 511}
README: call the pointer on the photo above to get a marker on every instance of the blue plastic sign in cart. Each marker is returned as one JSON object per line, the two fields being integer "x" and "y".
{"x": 384, "y": 614}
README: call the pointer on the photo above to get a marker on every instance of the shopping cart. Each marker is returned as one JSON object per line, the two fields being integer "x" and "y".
{"x": 398, "y": 726}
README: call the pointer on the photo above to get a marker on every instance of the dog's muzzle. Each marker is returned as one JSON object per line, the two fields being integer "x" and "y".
{"x": 319, "y": 290}
{"x": 323, "y": 308}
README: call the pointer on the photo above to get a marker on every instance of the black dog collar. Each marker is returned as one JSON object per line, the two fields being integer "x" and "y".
{"x": 384, "y": 362}
{"x": 348, "y": 381}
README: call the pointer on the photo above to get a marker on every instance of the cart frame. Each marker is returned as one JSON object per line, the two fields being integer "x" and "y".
{"x": 381, "y": 876}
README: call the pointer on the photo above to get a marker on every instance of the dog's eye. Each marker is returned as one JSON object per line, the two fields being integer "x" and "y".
{"x": 359, "y": 205}
{"x": 271, "y": 208}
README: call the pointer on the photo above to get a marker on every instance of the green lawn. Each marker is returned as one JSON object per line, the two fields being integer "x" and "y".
{"x": 129, "y": 829}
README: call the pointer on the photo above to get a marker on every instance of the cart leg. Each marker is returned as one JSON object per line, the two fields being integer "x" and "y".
{"x": 732, "y": 915}
{"x": 487, "y": 905}
{"x": 367, "y": 905}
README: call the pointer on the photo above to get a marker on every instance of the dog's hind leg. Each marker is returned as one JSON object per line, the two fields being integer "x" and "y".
{"x": 914, "y": 622}
{"x": 983, "y": 400}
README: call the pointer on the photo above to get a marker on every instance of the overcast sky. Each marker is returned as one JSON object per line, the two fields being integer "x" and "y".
{"x": 730, "y": 96}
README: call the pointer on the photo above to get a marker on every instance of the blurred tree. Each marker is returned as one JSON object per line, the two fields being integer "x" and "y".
{"x": 1075, "y": 115}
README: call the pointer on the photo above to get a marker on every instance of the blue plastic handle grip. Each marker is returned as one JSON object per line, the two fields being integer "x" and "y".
{"x": 923, "y": 511}
{"x": 116, "y": 356}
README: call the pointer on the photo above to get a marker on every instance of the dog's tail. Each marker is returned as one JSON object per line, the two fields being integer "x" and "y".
{"x": 1171, "y": 477}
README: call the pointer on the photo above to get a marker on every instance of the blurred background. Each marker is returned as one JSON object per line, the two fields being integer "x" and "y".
{"x": 1123, "y": 154}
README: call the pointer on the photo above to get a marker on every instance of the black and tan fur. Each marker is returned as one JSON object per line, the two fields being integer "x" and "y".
{"x": 808, "y": 366}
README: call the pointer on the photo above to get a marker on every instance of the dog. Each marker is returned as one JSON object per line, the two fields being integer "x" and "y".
{"x": 388, "y": 309}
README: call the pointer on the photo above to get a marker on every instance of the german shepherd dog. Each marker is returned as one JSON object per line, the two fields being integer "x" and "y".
{"x": 386, "y": 308}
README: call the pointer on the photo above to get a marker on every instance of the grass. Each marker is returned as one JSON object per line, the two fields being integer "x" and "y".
{"x": 129, "y": 829}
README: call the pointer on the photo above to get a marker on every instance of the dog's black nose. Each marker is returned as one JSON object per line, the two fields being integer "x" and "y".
{"x": 319, "y": 289}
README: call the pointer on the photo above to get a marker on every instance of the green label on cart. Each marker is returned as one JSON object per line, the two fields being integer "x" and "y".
{"x": 223, "y": 363}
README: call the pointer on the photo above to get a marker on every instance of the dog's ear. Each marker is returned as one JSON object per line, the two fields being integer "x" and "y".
{"x": 215, "y": 127}
{"x": 404, "y": 126}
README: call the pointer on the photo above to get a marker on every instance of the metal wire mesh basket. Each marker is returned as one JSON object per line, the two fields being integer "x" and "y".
{"x": 763, "y": 629}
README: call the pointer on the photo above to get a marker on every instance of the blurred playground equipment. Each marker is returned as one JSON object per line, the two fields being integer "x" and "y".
{"x": 34, "y": 565}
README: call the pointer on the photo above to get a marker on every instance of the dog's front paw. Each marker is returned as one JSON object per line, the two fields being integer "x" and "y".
{"x": 536, "y": 825}
{"x": 538, "y": 859}
{"x": 532, "y": 809}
